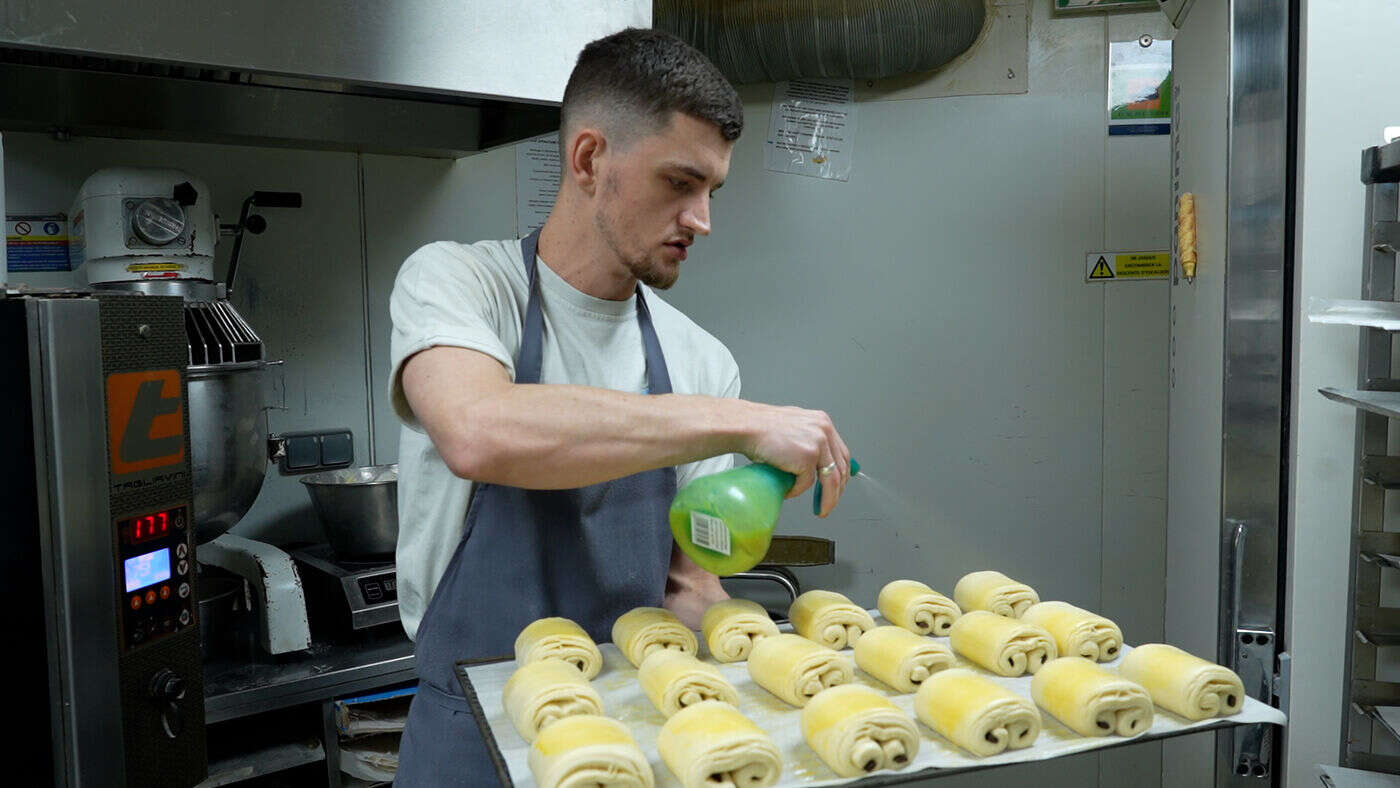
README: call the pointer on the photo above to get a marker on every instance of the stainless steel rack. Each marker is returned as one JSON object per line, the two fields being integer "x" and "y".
{"x": 1370, "y": 714}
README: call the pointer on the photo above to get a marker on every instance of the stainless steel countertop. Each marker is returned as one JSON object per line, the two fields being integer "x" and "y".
{"x": 240, "y": 687}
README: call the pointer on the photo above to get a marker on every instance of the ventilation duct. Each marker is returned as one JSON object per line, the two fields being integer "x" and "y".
{"x": 775, "y": 40}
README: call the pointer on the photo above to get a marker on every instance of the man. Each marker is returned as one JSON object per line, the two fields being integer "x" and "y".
{"x": 573, "y": 399}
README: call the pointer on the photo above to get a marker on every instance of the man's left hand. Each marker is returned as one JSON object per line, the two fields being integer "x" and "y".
{"x": 690, "y": 590}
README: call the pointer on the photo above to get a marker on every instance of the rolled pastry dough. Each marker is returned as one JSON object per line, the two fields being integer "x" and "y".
{"x": 1004, "y": 646}
{"x": 829, "y": 618}
{"x": 712, "y": 745}
{"x": 993, "y": 591}
{"x": 975, "y": 713}
{"x": 731, "y": 627}
{"x": 559, "y": 638}
{"x": 588, "y": 751}
{"x": 1184, "y": 683}
{"x": 540, "y": 693}
{"x": 856, "y": 730}
{"x": 674, "y": 680}
{"x": 1077, "y": 632}
{"x": 642, "y": 630}
{"x": 796, "y": 669}
{"x": 917, "y": 608}
{"x": 1091, "y": 700}
{"x": 901, "y": 658}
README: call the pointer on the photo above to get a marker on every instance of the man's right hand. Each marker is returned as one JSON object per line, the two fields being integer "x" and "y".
{"x": 553, "y": 437}
{"x": 802, "y": 442}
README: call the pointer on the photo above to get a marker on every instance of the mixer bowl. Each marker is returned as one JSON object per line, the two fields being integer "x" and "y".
{"x": 228, "y": 443}
{"x": 358, "y": 507}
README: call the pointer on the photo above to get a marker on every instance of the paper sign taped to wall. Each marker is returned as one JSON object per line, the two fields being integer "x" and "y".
{"x": 1139, "y": 87}
{"x": 536, "y": 181}
{"x": 812, "y": 129}
{"x": 1120, "y": 266}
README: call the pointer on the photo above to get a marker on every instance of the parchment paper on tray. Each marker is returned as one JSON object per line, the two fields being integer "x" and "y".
{"x": 624, "y": 700}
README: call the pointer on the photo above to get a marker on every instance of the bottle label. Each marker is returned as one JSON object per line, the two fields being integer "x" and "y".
{"x": 709, "y": 532}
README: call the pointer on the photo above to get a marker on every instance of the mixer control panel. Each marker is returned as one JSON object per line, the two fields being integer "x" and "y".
{"x": 156, "y": 575}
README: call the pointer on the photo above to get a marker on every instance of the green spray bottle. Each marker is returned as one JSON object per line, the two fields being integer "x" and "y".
{"x": 725, "y": 521}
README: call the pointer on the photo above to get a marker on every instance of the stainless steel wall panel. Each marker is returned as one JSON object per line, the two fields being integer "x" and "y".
{"x": 1200, "y": 78}
{"x": 471, "y": 48}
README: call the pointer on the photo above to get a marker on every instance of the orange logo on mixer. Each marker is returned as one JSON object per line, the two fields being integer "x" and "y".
{"x": 145, "y": 418}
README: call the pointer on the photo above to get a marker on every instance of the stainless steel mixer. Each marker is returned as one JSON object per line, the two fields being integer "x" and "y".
{"x": 154, "y": 231}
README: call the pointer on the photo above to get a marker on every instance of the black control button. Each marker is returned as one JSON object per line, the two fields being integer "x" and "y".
{"x": 184, "y": 590}
{"x": 137, "y": 636}
{"x": 167, "y": 686}
{"x": 184, "y": 617}
{"x": 183, "y": 567}
{"x": 182, "y": 550}
{"x": 168, "y": 624}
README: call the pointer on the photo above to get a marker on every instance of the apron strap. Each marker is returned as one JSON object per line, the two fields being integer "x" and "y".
{"x": 527, "y": 366}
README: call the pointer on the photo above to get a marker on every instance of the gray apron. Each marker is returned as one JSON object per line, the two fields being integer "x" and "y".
{"x": 589, "y": 554}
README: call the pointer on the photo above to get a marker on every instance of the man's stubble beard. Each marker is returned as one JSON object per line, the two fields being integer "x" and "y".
{"x": 649, "y": 273}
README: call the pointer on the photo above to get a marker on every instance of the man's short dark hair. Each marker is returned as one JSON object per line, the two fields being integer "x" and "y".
{"x": 637, "y": 77}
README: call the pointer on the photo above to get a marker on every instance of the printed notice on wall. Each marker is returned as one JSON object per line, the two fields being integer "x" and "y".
{"x": 536, "y": 181}
{"x": 1125, "y": 266}
{"x": 812, "y": 130}
{"x": 1139, "y": 87}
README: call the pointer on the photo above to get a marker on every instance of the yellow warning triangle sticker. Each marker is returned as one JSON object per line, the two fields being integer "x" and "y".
{"x": 1101, "y": 270}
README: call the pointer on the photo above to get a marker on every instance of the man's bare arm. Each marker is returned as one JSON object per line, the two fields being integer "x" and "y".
{"x": 690, "y": 590}
{"x": 490, "y": 429}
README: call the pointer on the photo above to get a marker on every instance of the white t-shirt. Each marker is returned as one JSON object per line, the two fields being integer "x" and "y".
{"x": 474, "y": 296}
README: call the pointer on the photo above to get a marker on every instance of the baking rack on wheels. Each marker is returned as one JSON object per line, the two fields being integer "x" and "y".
{"x": 482, "y": 682}
{"x": 1371, "y": 715}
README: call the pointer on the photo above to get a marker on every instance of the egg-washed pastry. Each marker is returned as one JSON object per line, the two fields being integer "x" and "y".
{"x": 713, "y": 745}
{"x": 587, "y": 752}
{"x": 1077, "y": 632}
{"x": 731, "y": 627}
{"x": 1091, "y": 700}
{"x": 976, "y": 713}
{"x": 674, "y": 680}
{"x": 1184, "y": 683}
{"x": 856, "y": 730}
{"x": 917, "y": 608}
{"x": 796, "y": 669}
{"x": 995, "y": 592}
{"x": 829, "y": 618}
{"x": 642, "y": 630}
{"x": 1005, "y": 646}
{"x": 543, "y": 692}
{"x": 559, "y": 638}
{"x": 900, "y": 658}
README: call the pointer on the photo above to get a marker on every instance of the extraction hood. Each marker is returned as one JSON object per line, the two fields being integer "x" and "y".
{"x": 428, "y": 77}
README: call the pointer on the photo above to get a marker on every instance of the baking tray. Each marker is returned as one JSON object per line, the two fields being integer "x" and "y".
{"x": 623, "y": 699}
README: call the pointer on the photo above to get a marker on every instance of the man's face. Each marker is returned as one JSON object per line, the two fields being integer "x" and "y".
{"x": 654, "y": 196}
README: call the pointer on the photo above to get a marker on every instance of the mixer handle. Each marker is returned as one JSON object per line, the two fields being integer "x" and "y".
{"x": 255, "y": 224}
{"x": 276, "y": 199}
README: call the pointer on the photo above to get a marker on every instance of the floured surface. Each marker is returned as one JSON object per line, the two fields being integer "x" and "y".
{"x": 623, "y": 699}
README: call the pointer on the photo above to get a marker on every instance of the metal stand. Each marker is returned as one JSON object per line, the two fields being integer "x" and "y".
{"x": 1372, "y": 705}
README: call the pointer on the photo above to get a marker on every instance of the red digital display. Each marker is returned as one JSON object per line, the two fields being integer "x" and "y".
{"x": 147, "y": 527}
